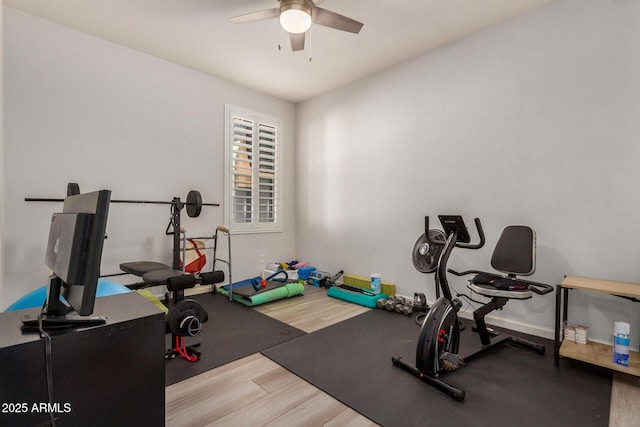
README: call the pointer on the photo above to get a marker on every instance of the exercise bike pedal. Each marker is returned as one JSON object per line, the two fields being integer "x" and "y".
{"x": 450, "y": 362}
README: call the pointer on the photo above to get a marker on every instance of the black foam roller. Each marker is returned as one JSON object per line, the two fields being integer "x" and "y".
{"x": 212, "y": 277}
{"x": 178, "y": 283}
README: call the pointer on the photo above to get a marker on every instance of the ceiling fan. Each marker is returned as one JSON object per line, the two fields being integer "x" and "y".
{"x": 296, "y": 17}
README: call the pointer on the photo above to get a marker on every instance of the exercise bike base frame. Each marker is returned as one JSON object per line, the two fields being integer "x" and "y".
{"x": 501, "y": 339}
{"x": 456, "y": 393}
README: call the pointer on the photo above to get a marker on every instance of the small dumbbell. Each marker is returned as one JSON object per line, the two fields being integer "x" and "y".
{"x": 399, "y": 305}
{"x": 406, "y": 309}
{"x": 403, "y": 306}
{"x": 390, "y": 304}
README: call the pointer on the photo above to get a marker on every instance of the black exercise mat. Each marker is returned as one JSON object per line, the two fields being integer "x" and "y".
{"x": 232, "y": 332}
{"x": 506, "y": 386}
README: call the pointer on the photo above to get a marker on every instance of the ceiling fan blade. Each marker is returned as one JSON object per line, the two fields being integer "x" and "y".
{"x": 316, "y": 2}
{"x": 331, "y": 19}
{"x": 256, "y": 16}
{"x": 297, "y": 41}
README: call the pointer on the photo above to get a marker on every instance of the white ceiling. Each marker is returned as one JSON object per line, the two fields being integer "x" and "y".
{"x": 199, "y": 35}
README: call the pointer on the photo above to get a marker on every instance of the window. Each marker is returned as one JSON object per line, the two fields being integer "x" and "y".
{"x": 252, "y": 166}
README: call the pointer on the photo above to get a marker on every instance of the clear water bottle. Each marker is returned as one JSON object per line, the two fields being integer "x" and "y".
{"x": 621, "y": 332}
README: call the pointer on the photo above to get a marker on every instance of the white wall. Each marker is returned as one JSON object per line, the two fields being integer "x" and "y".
{"x": 2, "y": 180}
{"x": 535, "y": 121}
{"x": 81, "y": 109}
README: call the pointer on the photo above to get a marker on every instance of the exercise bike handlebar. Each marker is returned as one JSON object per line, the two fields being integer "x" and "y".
{"x": 480, "y": 234}
{"x": 458, "y": 244}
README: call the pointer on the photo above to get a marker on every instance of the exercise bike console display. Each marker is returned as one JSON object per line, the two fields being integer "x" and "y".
{"x": 451, "y": 223}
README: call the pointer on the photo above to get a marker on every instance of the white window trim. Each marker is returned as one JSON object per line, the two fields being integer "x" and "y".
{"x": 232, "y": 111}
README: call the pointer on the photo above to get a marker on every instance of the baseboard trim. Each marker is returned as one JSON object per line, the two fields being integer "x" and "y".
{"x": 514, "y": 326}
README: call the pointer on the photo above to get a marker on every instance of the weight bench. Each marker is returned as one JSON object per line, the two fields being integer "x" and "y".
{"x": 152, "y": 273}
{"x": 184, "y": 316}
{"x": 157, "y": 273}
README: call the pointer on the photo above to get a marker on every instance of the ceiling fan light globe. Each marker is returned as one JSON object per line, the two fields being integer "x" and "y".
{"x": 295, "y": 21}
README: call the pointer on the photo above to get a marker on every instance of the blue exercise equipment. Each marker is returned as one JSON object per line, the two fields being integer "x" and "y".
{"x": 37, "y": 297}
{"x": 259, "y": 283}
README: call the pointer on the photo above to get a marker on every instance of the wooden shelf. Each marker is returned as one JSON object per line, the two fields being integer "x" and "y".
{"x": 594, "y": 353}
{"x": 601, "y": 355}
{"x": 600, "y": 285}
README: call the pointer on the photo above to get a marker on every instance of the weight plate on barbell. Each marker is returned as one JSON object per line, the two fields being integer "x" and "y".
{"x": 194, "y": 203}
{"x": 181, "y": 318}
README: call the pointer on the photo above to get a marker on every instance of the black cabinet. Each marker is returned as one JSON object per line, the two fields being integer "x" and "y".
{"x": 107, "y": 375}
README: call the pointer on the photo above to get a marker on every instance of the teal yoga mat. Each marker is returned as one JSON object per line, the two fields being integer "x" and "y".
{"x": 285, "y": 291}
{"x": 354, "y": 297}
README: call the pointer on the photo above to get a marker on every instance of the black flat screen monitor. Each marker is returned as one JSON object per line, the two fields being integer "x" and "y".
{"x": 74, "y": 253}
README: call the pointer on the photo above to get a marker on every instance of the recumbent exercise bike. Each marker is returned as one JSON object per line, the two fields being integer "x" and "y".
{"x": 438, "y": 343}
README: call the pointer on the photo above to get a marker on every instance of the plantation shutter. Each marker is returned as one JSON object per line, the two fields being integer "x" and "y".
{"x": 242, "y": 175}
{"x": 267, "y": 174}
{"x": 252, "y": 193}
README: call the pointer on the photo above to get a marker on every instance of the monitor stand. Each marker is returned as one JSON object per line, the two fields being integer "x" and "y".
{"x": 59, "y": 315}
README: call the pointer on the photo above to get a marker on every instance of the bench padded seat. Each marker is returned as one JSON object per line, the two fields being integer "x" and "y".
{"x": 140, "y": 268}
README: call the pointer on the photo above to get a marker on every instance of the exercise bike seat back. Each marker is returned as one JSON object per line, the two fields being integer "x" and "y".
{"x": 514, "y": 255}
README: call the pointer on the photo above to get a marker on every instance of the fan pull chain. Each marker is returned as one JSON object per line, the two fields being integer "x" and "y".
{"x": 279, "y": 37}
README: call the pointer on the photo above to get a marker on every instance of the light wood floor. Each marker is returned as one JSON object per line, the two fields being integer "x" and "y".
{"x": 315, "y": 310}
{"x": 255, "y": 391}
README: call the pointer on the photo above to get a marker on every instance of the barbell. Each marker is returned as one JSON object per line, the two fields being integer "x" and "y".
{"x": 193, "y": 203}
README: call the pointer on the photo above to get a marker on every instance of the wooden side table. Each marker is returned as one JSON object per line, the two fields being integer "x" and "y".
{"x": 592, "y": 352}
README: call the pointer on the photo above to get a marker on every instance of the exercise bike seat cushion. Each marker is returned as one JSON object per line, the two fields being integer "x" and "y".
{"x": 492, "y": 285}
{"x": 486, "y": 278}
{"x": 159, "y": 277}
{"x": 139, "y": 268}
